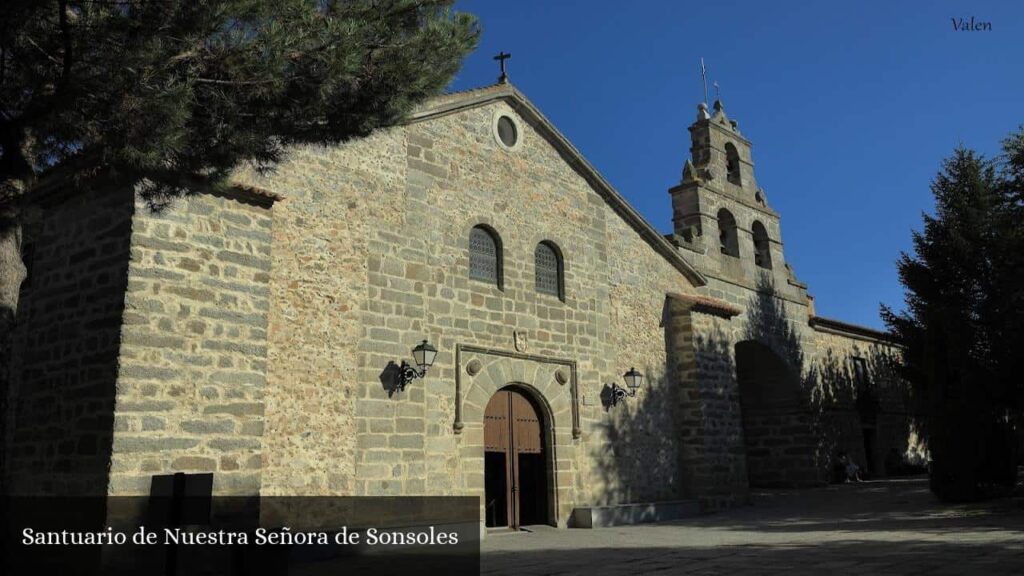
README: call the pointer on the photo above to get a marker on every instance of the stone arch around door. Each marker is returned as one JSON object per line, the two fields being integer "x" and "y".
{"x": 549, "y": 384}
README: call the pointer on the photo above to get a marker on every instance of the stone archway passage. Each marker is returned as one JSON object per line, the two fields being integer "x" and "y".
{"x": 515, "y": 485}
{"x": 777, "y": 428}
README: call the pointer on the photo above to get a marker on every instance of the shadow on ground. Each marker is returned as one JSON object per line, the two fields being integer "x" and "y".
{"x": 846, "y": 557}
{"x": 886, "y": 527}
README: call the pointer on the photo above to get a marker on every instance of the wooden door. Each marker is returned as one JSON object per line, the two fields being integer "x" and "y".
{"x": 512, "y": 430}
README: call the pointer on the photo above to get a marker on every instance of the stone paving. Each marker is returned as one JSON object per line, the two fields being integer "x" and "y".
{"x": 885, "y": 527}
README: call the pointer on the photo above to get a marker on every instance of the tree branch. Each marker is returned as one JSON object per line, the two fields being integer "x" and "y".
{"x": 234, "y": 82}
{"x": 65, "y": 32}
{"x": 49, "y": 57}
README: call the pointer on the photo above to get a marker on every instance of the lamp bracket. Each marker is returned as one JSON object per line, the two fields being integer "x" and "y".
{"x": 619, "y": 394}
{"x": 407, "y": 373}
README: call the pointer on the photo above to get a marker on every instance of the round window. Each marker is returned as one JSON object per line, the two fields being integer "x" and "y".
{"x": 507, "y": 131}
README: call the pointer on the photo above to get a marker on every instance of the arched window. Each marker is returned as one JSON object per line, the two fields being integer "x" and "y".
{"x": 727, "y": 234}
{"x": 548, "y": 270}
{"x": 762, "y": 249}
{"x": 732, "y": 164}
{"x": 485, "y": 255}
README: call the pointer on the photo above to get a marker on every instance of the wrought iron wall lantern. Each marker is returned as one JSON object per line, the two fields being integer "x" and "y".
{"x": 633, "y": 381}
{"x": 423, "y": 355}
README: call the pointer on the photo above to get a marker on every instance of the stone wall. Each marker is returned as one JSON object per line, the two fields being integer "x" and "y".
{"x": 878, "y": 406}
{"x": 394, "y": 213}
{"x": 778, "y": 422}
{"x": 790, "y": 436}
{"x": 192, "y": 368}
{"x": 371, "y": 256}
{"x": 766, "y": 350}
{"x": 66, "y": 342}
{"x": 634, "y": 448}
{"x": 322, "y": 365}
{"x": 186, "y": 344}
{"x": 709, "y": 430}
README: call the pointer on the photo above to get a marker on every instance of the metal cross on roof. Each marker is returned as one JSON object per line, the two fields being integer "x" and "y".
{"x": 718, "y": 91}
{"x": 501, "y": 57}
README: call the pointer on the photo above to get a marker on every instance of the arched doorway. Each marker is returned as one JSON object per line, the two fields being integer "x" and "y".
{"x": 515, "y": 463}
{"x": 777, "y": 431}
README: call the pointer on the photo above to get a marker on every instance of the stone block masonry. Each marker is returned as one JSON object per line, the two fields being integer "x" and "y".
{"x": 66, "y": 342}
{"x": 866, "y": 412}
{"x": 193, "y": 358}
{"x": 233, "y": 335}
{"x": 371, "y": 256}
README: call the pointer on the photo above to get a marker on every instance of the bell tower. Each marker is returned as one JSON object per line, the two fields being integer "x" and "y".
{"x": 718, "y": 210}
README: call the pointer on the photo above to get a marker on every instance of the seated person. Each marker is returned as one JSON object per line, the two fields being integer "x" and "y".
{"x": 850, "y": 468}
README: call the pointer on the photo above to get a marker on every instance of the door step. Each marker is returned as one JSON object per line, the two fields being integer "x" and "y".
{"x": 505, "y": 531}
{"x": 625, "y": 514}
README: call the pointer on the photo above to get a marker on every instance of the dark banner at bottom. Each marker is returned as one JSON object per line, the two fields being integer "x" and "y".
{"x": 179, "y": 535}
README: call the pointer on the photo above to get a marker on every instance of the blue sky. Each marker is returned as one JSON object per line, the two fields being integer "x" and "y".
{"x": 851, "y": 106}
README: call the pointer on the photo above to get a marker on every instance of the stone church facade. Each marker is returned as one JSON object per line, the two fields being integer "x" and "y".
{"x": 256, "y": 333}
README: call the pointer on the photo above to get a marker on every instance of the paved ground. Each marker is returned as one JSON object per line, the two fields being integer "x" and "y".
{"x": 885, "y": 528}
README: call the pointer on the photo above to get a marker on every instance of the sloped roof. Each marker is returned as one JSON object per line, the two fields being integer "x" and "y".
{"x": 458, "y": 101}
{"x": 842, "y": 328}
{"x": 707, "y": 304}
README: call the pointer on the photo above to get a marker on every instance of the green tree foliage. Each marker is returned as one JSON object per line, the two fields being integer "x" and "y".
{"x": 964, "y": 321}
{"x": 161, "y": 91}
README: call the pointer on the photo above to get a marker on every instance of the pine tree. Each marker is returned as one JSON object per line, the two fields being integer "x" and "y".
{"x": 963, "y": 320}
{"x": 160, "y": 91}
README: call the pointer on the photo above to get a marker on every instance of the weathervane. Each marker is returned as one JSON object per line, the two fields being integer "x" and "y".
{"x": 718, "y": 91}
{"x": 704, "y": 76}
{"x": 501, "y": 57}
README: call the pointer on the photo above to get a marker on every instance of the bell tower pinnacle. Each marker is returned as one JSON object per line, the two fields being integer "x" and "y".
{"x": 718, "y": 210}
